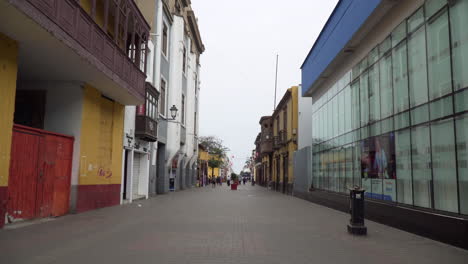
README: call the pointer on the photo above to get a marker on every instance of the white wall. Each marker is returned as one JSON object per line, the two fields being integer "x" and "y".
{"x": 174, "y": 91}
{"x": 63, "y": 113}
{"x": 305, "y": 121}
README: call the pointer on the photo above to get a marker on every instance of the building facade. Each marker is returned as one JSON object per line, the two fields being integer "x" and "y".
{"x": 177, "y": 79}
{"x": 272, "y": 160}
{"x": 285, "y": 123}
{"x": 390, "y": 113}
{"x": 69, "y": 70}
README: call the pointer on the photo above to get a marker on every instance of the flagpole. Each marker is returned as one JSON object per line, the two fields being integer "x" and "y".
{"x": 276, "y": 81}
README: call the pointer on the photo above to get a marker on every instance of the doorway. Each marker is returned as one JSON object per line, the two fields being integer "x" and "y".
{"x": 40, "y": 174}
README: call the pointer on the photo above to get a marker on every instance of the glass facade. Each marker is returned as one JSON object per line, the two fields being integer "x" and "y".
{"x": 397, "y": 122}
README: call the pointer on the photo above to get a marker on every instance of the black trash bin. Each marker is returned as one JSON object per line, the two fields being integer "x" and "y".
{"x": 356, "y": 206}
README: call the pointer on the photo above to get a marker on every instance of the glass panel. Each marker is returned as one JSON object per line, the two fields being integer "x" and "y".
{"x": 342, "y": 162}
{"x": 356, "y": 114}
{"x": 438, "y": 49}
{"x": 374, "y": 94}
{"x": 330, "y": 120}
{"x": 417, "y": 67}
{"x": 461, "y": 101}
{"x": 341, "y": 110}
{"x": 334, "y": 171}
{"x": 385, "y": 46}
{"x": 416, "y": 20}
{"x": 399, "y": 33}
{"x": 375, "y": 129}
{"x": 335, "y": 116}
{"x": 400, "y": 78}
{"x": 364, "y": 132}
{"x": 420, "y": 115}
{"x": 373, "y": 56}
{"x": 356, "y": 71}
{"x": 444, "y": 166}
{"x": 386, "y": 91}
{"x": 348, "y": 108}
{"x": 387, "y": 125}
{"x": 402, "y": 120}
{"x": 462, "y": 156}
{"x": 441, "y": 108}
{"x": 421, "y": 160}
{"x": 357, "y": 164}
{"x": 432, "y": 6}
{"x": 363, "y": 65}
{"x": 348, "y": 168}
{"x": 364, "y": 95}
{"x": 459, "y": 34}
{"x": 403, "y": 167}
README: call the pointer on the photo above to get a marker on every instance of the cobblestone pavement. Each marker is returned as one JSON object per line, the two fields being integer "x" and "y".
{"x": 206, "y": 225}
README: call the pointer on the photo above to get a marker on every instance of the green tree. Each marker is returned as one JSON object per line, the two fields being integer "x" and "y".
{"x": 214, "y": 146}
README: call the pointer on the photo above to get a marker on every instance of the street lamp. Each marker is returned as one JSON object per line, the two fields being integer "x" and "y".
{"x": 173, "y": 112}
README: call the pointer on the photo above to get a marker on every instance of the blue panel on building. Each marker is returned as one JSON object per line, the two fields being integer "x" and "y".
{"x": 344, "y": 22}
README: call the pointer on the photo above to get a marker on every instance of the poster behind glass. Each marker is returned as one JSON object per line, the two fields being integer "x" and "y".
{"x": 378, "y": 167}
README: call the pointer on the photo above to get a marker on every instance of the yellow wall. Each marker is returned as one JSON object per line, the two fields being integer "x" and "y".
{"x": 8, "y": 74}
{"x": 203, "y": 155}
{"x": 216, "y": 172}
{"x": 101, "y": 139}
{"x": 291, "y": 146}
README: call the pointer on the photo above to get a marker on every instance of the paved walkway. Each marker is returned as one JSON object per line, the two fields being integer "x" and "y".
{"x": 205, "y": 225}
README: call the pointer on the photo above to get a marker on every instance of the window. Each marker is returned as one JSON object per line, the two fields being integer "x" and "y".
{"x": 444, "y": 166}
{"x": 151, "y": 106}
{"x": 162, "y": 96}
{"x": 183, "y": 109}
{"x": 417, "y": 67}
{"x": 459, "y": 34}
{"x": 421, "y": 160}
{"x": 165, "y": 40}
{"x": 184, "y": 60}
{"x": 403, "y": 167}
{"x": 462, "y": 156}
{"x": 438, "y": 52}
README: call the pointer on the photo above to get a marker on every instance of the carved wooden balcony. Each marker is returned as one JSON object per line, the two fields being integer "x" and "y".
{"x": 146, "y": 128}
{"x": 111, "y": 35}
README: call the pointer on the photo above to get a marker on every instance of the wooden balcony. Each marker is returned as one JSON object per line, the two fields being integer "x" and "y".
{"x": 114, "y": 41}
{"x": 146, "y": 128}
{"x": 266, "y": 146}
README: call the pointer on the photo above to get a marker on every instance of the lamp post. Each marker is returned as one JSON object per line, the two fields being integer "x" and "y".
{"x": 173, "y": 110}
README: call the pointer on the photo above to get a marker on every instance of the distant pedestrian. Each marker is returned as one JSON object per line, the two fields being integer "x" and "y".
{"x": 244, "y": 180}
{"x": 213, "y": 182}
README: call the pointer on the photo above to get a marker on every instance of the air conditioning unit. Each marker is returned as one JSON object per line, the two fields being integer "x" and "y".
{"x": 294, "y": 132}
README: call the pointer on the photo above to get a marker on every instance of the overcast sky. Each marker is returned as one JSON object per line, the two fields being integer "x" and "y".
{"x": 237, "y": 76}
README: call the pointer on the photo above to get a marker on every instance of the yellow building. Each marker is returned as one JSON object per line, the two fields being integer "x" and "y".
{"x": 285, "y": 123}
{"x": 74, "y": 80}
{"x": 205, "y": 172}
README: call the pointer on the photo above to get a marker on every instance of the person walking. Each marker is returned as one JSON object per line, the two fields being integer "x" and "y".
{"x": 213, "y": 182}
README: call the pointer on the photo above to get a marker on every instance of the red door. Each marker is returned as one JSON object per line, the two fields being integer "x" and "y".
{"x": 40, "y": 172}
{"x": 24, "y": 173}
